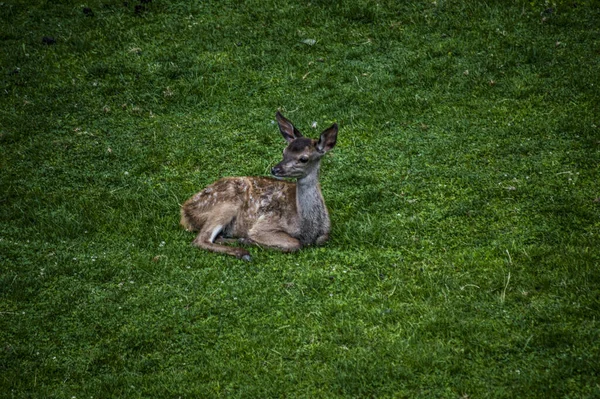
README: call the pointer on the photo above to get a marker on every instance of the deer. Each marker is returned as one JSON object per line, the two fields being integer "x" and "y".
{"x": 265, "y": 211}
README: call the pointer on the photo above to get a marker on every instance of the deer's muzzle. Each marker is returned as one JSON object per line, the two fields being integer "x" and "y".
{"x": 276, "y": 170}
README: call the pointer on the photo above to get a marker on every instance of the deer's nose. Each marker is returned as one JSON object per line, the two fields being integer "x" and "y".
{"x": 276, "y": 170}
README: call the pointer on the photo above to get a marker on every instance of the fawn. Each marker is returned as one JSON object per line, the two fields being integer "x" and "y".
{"x": 265, "y": 211}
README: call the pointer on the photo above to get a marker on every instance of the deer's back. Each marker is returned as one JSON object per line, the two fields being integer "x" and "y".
{"x": 253, "y": 198}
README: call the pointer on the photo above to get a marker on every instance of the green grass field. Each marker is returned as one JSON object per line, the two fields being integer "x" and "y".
{"x": 464, "y": 194}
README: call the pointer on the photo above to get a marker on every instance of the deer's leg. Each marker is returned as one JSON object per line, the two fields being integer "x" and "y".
{"x": 212, "y": 228}
{"x": 274, "y": 239}
{"x": 205, "y": 240}
{"x": 322, "y": 239}
{"x": 222, "y": 240}
{"x": 227, "y": 240}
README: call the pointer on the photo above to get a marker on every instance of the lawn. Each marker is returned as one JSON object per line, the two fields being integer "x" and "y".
{"x": 464, "y": 195}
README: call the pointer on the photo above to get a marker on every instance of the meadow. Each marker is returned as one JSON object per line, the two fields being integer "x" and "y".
{"x": 464, "y": 195}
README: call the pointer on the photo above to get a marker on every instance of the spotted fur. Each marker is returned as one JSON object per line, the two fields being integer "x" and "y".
{"x": 265, "y": 211}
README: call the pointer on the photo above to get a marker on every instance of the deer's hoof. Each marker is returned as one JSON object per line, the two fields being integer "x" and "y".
{"x": 247, "y": 258}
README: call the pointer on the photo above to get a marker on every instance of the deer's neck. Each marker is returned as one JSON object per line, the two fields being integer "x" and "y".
{"x": 314, "y": 219}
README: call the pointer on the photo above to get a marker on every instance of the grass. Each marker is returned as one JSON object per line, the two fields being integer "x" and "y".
{"x": 464, "y": 259}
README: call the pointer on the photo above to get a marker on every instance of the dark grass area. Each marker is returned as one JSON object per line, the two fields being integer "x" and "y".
{"x": 463, "y": 193}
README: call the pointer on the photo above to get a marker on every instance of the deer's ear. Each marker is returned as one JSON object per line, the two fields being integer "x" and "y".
{"x": 328, "y": 139}
{"x": 288, "y": 131}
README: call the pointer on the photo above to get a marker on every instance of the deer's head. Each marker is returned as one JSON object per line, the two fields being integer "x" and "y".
{"x": 302, "y": 155}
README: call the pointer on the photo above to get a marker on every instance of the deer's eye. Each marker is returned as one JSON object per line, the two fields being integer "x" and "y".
{"x": 304, "y": 159}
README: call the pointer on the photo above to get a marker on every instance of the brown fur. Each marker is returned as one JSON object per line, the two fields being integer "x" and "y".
{"x": 264, "y": 211}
